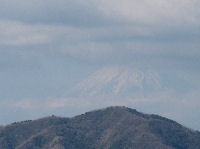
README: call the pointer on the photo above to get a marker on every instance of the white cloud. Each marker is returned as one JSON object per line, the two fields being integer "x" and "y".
{"x": 150, "y": 12}
{"x": 147, "y": 33}
{"x": 16, "y": 34}
{"x": 153, "y": 12}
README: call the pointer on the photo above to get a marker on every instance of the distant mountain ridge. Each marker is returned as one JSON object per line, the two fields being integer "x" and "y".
{"x": 116, "y": 81}
{"x": 109, "y": 128}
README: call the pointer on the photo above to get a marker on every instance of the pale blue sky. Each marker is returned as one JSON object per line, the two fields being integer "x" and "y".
{"x": 65, "y": 57}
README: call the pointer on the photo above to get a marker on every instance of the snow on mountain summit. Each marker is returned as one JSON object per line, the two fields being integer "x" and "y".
{"x": 116, "y": 81}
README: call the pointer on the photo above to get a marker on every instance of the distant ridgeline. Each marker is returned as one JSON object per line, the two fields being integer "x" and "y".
{"x": 109, "y": 128}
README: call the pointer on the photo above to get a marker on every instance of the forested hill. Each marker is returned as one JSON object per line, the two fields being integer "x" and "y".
{"x": 109, "y": 128}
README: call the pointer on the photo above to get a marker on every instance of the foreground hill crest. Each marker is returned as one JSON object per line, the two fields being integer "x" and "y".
{"x": 109, "y": 128}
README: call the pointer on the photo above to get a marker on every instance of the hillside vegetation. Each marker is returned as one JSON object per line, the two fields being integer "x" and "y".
{"x": 110, "y": 128}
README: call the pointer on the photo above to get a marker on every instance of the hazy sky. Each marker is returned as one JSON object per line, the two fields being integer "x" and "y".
{"x": 66, "y": 57}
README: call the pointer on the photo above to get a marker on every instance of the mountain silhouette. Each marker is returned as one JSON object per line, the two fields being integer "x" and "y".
{"x": 109, "y": 128}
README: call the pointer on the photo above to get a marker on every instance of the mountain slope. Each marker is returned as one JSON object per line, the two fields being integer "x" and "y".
{"x": 116, "y": 81}
{"x": 110, "y": 128}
